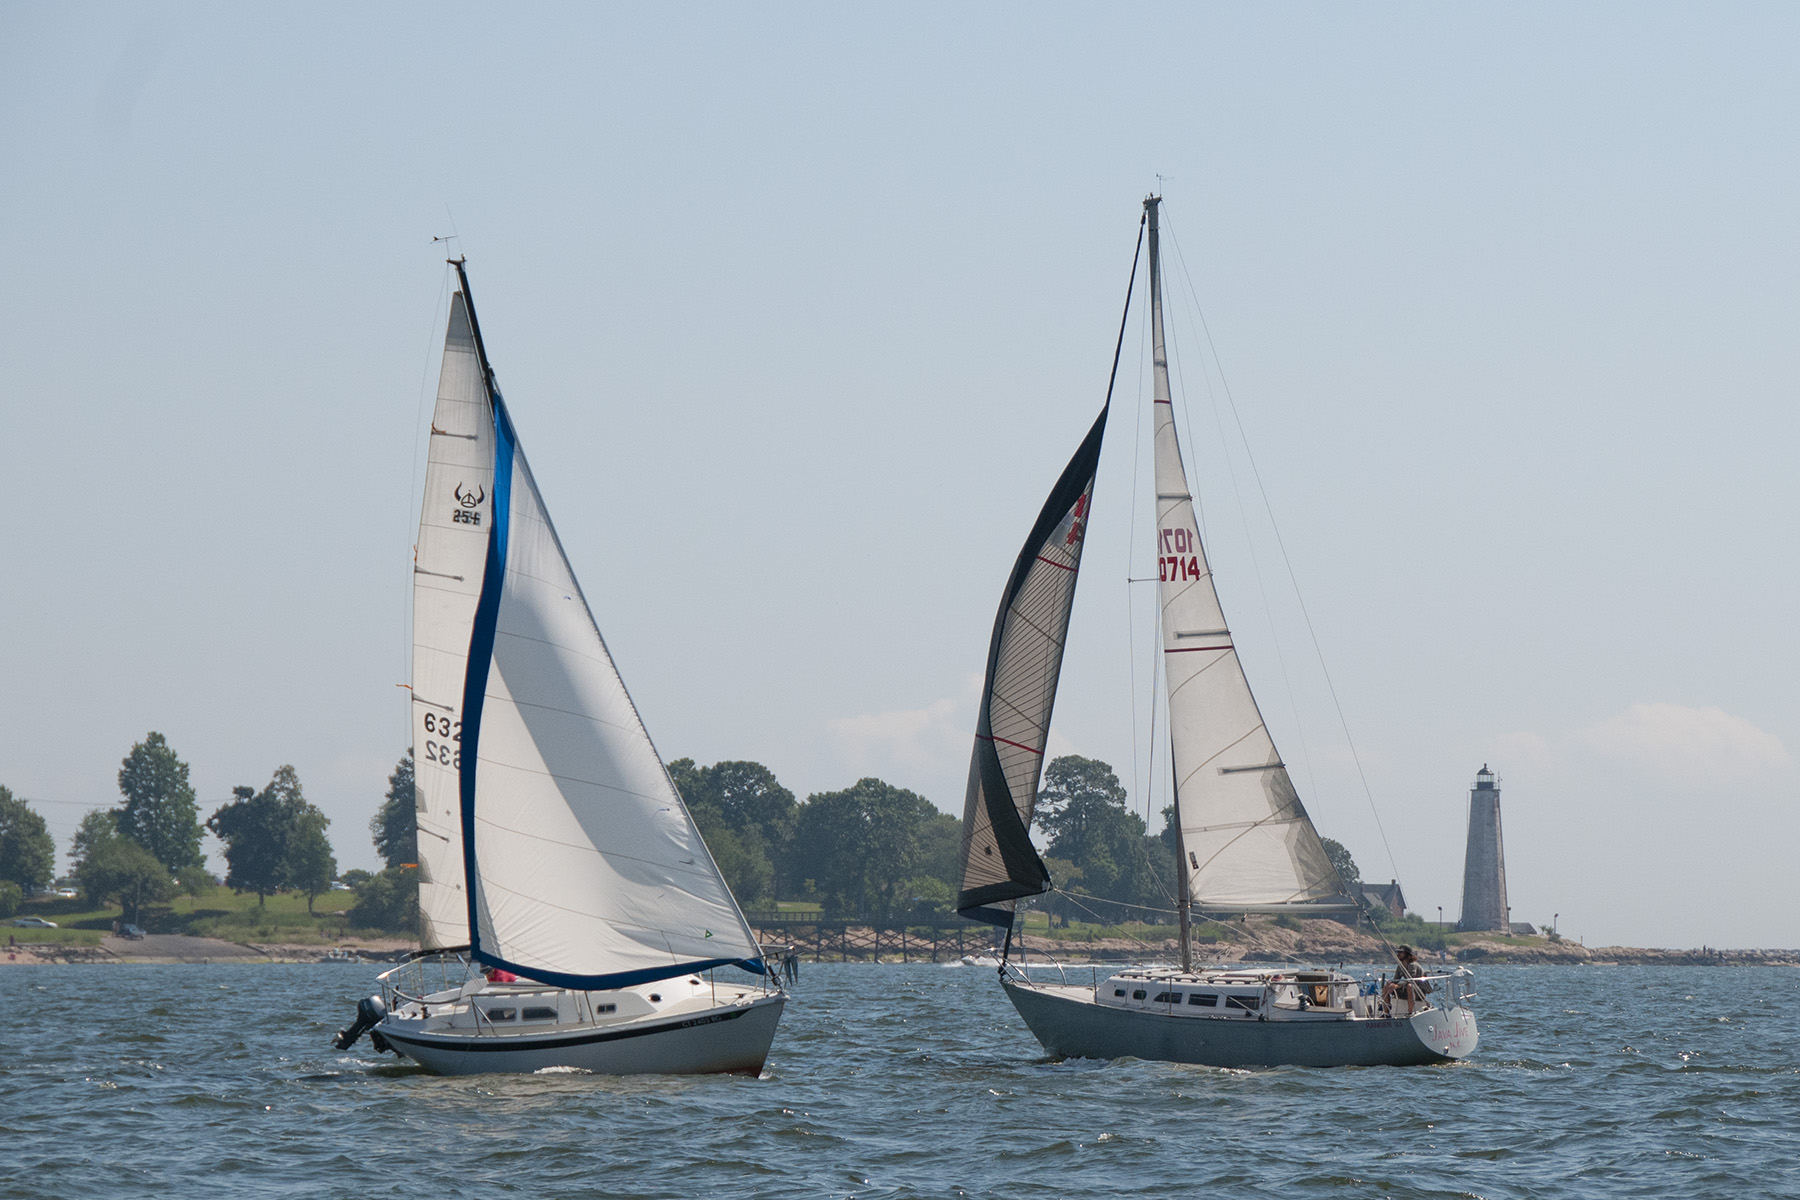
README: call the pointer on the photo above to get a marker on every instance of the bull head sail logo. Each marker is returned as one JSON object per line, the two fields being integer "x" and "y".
{"x": 471, "y": 498}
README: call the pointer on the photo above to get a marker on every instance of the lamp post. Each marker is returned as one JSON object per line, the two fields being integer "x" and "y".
{"x": 1553, "y": 920}
{"x": 1440, "y": 916}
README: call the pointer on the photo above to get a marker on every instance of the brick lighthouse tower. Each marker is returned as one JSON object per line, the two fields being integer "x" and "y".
{"x": 1484, "y": 870}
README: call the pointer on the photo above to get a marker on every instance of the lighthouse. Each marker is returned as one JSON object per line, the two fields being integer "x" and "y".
{"x": 1484, "y": 870}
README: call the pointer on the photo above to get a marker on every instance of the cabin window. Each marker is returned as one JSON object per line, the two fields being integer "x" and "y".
{"x": 538, "y": 1014}
{"x": 1167, "y": 998}
{"x": 1247, "y": 1003}
{"x": 605, "y": 1008}
{"x": 1118, "y": 991}
{"x": 500, "y": 1014}
{"x": 1138, "y": 994}
{"x": 1205, "y": 999}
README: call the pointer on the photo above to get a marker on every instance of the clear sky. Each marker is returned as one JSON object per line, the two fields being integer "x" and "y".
{"x": 800, "y": 310}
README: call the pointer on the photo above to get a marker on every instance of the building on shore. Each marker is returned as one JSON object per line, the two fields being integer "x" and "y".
{"x": 1384, "y": 895}
{"x": 1484, "y": 905}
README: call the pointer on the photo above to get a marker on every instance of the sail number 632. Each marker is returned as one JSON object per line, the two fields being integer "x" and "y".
{"x": 444, "y": 752}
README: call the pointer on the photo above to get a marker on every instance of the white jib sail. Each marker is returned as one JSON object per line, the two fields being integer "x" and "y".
{"x": 1248, "y": 841}
{"x": 454, "y": 523}
{"x": 587, "y": 867}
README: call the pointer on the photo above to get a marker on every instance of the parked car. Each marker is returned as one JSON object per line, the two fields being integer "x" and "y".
{"x": 33, "y": 923}
{"x": 130, "y": 931}
{"x": 66, "y": 893}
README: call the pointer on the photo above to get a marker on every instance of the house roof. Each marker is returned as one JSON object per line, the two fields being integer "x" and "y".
{"x": 1386, "y": 893}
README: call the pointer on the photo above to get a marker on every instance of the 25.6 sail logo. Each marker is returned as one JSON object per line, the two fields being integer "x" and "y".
{"x": 468, "y": 507}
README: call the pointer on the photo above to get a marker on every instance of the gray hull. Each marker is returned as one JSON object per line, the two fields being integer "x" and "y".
{"x": 1071, "y": 1025}
{"x": 733, "y": 1039}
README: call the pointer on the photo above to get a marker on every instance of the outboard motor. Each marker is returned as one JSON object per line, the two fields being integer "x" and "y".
{"x": 369, "y": 1013}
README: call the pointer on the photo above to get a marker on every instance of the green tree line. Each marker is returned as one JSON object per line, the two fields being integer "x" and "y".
{"x": 872, "y": 849}
{"x": 147, "y": 849}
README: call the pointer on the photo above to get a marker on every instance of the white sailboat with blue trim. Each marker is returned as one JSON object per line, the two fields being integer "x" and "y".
{"x": 1245, "y": 843}
{"x": 570, "y": 913}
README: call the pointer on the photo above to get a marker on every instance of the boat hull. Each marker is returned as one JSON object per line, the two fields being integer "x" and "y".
{"x": 731, "y": 1039}
{"x": 1069, "y": 1024}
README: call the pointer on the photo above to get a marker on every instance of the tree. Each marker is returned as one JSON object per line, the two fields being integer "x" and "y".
{"x": 27, "y": 851}
{"x": 160, "y": 812}
{"x": 928, "y": 897}
{"x": 310, "y": 863}
{"x": 940, "y": 848}
{"x": 95, "y": 827}
{"x": 253, "y": 829}
{"x": 116, "y": 869}
{"x": 1081, "y": 807}
{"x": 746, "y": 817}
{"x": 744, "y": 797}
{"x": 862, "y": 845}
{"x": 274, "y": 839}
{"x": 11, "y": 896}
{"x": 741, "y": 859}
{"x": 395, "y": 825}
{"x": 388, "y": 901}
{"x": 1074, "y": 797}
{"x": 1343, "y": 864}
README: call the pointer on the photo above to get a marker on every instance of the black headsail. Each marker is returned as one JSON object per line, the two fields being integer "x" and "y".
{"x": 999, "y": 864}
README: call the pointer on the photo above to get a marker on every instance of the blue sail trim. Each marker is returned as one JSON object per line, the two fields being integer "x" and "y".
{"x": 617, "y": 979}
{"x": 481, "y": 652}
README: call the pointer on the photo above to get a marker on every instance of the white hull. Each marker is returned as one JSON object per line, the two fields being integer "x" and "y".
{"x": 1071, "y": 1023}
{"x": 729, "y": 1038}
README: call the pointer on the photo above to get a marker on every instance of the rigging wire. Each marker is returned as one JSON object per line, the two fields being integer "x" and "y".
{"x": 1293, "y": 579}
{"x": 1137, "y": 452}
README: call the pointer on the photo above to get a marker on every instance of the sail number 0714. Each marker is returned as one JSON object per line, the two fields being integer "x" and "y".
{"x": 1178, "y": 561}
{"x": 443, "y": 752}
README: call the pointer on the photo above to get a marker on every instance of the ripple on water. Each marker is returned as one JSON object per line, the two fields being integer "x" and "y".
{"x": 904, "y": 1082}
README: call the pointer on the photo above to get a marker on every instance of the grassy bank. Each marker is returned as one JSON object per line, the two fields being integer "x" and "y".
{"x": 217, "y": 912}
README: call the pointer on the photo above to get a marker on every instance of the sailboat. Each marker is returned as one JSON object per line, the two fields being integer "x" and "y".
{"x": 570, "y": 915}
{"x": 1245, "y": 843}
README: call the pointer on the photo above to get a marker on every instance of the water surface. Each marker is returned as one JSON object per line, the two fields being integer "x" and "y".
{"x": 897, "y": 1081}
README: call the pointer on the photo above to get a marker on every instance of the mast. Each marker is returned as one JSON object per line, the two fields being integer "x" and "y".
{"x": 462, "y": 279}
{"x": 1160, "y": 359}
{"x": 1183, "y": 905}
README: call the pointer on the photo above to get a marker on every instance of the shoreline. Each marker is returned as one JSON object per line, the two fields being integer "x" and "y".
{"x": 162, "y": 949}
{"x": 1315, "y": 942}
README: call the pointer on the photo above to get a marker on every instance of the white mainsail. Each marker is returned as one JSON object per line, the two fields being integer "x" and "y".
{"x": 454, "y": 523}
{"x": 581, "y": 865}
{"x": 1247, "y": 840}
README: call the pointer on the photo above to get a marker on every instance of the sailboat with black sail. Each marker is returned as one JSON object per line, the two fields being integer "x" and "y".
{"x": 569, "y": 912}
{"x": 1245, "y": 843}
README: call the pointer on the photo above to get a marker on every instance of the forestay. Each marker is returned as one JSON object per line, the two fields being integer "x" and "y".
{"x": 999, "y": 864}
{"x": 1248, "y": 842}
{"x": 454, "y": 523}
